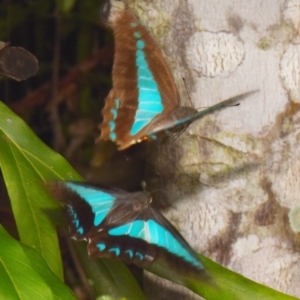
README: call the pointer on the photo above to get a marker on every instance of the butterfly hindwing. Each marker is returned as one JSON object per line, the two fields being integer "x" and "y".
{"x": 150, "y": 239}
{"x": 124, "y": 247}
{"x": 168, "y": 238}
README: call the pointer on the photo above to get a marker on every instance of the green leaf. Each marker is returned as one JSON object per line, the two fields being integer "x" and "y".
{"x": 109, "y": 276}
{"x": 26, "y": 164}
{"x": 228, "y": 285}
{"x": 217, "y": 282}
{"x": 25, "y": 275}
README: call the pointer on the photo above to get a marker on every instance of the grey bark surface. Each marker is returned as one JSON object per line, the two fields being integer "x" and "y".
{"x": 231, "y": 181}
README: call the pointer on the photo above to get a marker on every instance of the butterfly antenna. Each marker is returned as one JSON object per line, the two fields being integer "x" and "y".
{"x": 187, "y": 92}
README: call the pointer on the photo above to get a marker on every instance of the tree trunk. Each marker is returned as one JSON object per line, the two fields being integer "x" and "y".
{"x": 230, "y": 182}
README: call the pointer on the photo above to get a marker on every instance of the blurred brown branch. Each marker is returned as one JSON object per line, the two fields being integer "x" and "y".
{"x": 67, "y": 85}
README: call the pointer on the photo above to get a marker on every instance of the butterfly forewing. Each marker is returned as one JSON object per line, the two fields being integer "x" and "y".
{"x": 85, "y": 207}
{"x": 142, "y": 82}
{"x": 110, "y": 113}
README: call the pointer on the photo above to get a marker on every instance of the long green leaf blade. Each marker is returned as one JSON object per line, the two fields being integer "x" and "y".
{"x": 26, "y": 162}
{"x": 228, "y": 285}
{"x": 25, "y": 275}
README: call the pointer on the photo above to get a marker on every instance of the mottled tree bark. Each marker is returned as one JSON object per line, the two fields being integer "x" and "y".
{"x": 231, "y": 181}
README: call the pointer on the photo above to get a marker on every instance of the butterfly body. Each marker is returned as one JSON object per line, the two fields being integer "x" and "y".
{"x": 123, "y": 225}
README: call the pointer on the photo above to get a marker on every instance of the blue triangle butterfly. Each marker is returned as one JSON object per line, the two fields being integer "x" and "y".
{"x": 123, "y": 225}
{"x": 144, "y": 101}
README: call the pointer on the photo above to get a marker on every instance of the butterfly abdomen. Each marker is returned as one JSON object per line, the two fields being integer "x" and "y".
{"x": 165, "y": 126}
{"x": 183, "y": 112}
